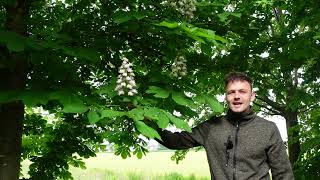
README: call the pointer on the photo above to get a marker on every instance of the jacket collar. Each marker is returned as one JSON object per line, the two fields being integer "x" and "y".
{"x": 240, "y": 118}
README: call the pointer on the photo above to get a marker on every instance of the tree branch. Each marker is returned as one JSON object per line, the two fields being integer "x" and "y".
{"x": 274, "y": 112}
{"x": 308, "y": 108}
{"x": 273, "y": 104}
{"x": 295, "y": 78}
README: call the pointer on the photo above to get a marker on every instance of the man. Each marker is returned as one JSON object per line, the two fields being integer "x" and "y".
{"x": 239, "y": 145}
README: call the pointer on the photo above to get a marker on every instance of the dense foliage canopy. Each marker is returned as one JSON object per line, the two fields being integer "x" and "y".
{"x": 104, "y": 69}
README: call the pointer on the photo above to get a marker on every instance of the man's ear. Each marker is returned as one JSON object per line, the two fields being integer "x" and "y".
{"x": 253, "y": 96}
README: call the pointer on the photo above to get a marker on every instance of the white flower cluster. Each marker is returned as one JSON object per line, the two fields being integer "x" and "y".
{"x": 179, "y": 67}
{"x": 126, "y": 82}
{"x": 185, "y": 7}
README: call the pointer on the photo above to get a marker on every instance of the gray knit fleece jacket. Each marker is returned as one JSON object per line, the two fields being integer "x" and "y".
{"x": 240, "y": 146}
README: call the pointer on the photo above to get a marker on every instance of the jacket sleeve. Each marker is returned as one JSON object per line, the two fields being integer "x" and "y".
{"x": 278, "y": 157}
{"x": 184, "y": 140}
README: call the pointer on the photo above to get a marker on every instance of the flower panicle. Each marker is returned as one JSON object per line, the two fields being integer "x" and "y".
{"x": 126, "y": 82}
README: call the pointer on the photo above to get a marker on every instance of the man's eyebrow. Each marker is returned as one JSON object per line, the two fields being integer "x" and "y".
{"x": 236, "y": 90}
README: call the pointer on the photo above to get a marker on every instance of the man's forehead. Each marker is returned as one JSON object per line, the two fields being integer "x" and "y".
{"x": 238, "y": 85}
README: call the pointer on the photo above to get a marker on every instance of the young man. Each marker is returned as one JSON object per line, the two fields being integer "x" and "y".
{"x": 239, "y": 145}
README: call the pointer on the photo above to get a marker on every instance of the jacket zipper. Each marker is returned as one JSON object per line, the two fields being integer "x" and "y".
{"x": 235, "y": 150}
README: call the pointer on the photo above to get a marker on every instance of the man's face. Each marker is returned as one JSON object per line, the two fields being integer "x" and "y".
{"x": 239, "y": 95}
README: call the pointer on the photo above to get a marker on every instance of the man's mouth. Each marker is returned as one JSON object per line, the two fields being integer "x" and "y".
{"x": 236, "y": 103}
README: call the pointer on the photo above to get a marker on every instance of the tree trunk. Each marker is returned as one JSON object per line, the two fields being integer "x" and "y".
{"x": 11, "y": 79}
{"x": 11, "y": 115}
{"x": 293, "y": 136}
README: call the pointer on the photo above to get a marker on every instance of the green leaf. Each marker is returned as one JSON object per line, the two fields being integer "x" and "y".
{"x": 93, "y": 116}
{"x": 158, "y": 92}
{"x": 139, "y": 154}
{"x": 82, "y": 53}
{"x": 206, "y": 49}
{"x": 33, "y": 43}
{"x": 158, "y": 115}
{"x": 108, "y": 113}
{"x": 124, "y": 154}
{"x": 108, "y": 89}
{"x": 198, "y": 34}
{"x": 204, "y": 33}
{"x": 183, "y": 100}
{"x": 139, "y": 15}
{"x": 221, "y": 39}
{"x": 168, "y": 24}
{"x": 179, "y": 123}
{"x": 190, "y": 31}
{"x": 14, "y": 41}
{"x": 146, "y": 130}
{"x": 136, "y": 114}
{"x": 224, "y": 16}
{"x": 75, "y": 107}
{"x": 33, "y": 98}
{"x": 200, "y": 99}
{"x": 71, "y": 103}
{"x": 7, "y": 96}
{"x": 213, "y": 103}
{"x": 121, "y": 17}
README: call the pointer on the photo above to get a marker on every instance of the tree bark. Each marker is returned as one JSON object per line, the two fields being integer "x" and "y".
{"x": 293, "y": 136}
{"x": 11, "y": 115}
{"x": 12, "y": 78}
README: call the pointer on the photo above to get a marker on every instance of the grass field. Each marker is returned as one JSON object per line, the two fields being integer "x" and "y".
{"x": 153, "y": 166}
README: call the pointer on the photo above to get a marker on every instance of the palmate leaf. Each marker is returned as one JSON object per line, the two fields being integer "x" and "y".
{"x": 169, "y": 24}
{"x": 158, "y": 92}
{"x": 88, "y": 54}
{"x": 7, "y": 96}
{"x": 33, "y": 98}
{"x": 211, "y": 101}
{"x": 13, "y": 41}
{"x": 214, "y": 104}
{"x": 93, "y": 116}
{"x": 71, "y": 103}
{"x": 122, "y": 16}
{"x": 136, "y": 114}
{"x": 179, "y": 123}
{"x": 199, "y": 34}
{"x": 183, "y": 100}
{"x": 108, "y": 113}
{"x": 108, "y": 89}
{"x": 146, "y": 130}
{"x": 157, "y": 114}
{"x": 18, "y": 43}
{"x": 74, "y": 106}
{"x": 224, "y": 16}
{"x": 139, "y": 154}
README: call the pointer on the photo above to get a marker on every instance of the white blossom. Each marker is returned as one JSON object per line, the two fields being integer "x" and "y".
{"x": 121, "y": 92}
{"x": 184, "y": 7}
{"x": 125, "y": 81}
{"x": 179, "y": 67}
{"x": 132, "y": 82}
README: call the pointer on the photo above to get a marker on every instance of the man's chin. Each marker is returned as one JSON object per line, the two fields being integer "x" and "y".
{"x": 237, "y": 110}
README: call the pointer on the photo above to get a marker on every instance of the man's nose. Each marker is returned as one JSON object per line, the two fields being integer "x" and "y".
{"x": 236, "y": 95}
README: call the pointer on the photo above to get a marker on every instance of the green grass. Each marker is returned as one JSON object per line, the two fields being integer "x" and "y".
{"x": 153, "y": 166}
